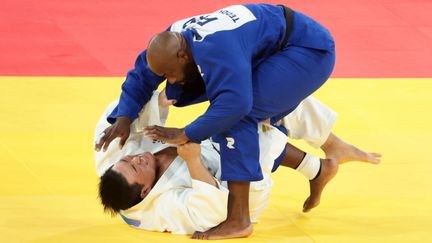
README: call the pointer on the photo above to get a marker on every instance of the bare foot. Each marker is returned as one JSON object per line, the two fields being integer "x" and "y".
{"x": 337, "y": 149}
{"x": 337, "y": 152}
{"x": 226, "y": 230}
{"x": 329, "y": 168}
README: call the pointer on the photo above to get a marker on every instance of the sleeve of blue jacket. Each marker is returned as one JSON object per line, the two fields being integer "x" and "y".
{"x": 229, "y": 89}
{"x": 136, "y": 90}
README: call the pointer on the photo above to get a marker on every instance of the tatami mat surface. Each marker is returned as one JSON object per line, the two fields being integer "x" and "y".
{"x": 48, "y": 183}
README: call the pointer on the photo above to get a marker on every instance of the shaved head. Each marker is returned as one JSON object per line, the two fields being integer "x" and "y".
{"x": 163, "y": 49}
{"x": 169, "y": 56}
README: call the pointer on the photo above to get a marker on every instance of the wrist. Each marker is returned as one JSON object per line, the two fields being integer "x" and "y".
{"x": 184, "y": 137}
{"x": 193, "y": 161}
{"x": 124, "y": 119}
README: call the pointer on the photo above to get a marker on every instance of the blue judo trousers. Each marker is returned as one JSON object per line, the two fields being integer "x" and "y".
{"x": 257, "y": 61}
{"x": 280, "y": 84}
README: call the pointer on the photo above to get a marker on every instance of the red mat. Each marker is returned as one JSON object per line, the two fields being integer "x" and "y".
{"x": 375, "y": 38}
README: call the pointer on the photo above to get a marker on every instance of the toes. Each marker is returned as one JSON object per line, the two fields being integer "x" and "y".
{"x": 305, "y": 205}
{"x": 377, "y": 155}
{"x": 308, "y": 205}
{"x": 199, "y": 236}
{"x": 374, "y": 158}
{"x": 306, "y": 210}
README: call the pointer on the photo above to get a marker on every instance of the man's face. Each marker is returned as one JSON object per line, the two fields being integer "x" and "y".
{"x": 178, "y": 68}
{"x": 138, "y": 169}
{"x": 179, "y": 71}
{"x": 182, "y": 73}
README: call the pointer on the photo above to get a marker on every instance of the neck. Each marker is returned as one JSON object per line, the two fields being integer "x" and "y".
{"x": 164, "y": 158}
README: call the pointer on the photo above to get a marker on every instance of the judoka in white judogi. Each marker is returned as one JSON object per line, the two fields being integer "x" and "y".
{"x": 181, "y": 205}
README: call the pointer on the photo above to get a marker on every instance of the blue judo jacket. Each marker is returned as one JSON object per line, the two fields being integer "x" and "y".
{"x": 226, "y": 46}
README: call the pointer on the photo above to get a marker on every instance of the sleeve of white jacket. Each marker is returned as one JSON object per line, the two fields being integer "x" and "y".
{"x": 199, "y": 208}
{"x": 311, "y": 121}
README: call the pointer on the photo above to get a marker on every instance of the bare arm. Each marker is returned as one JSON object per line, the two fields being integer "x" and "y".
{"x": 191, "y": 152}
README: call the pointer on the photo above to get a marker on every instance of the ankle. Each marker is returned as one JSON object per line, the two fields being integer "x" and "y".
{"x": 239, "y": 219}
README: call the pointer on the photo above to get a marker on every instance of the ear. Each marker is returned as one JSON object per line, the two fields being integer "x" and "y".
{"x": 145, "y": 191}
{"x": 182, "y": 56}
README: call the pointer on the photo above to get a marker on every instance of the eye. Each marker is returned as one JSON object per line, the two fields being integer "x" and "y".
{"x": 134, "y": 168}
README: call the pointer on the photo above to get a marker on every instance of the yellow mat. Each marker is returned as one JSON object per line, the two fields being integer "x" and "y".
{"x": 48, "y": 183}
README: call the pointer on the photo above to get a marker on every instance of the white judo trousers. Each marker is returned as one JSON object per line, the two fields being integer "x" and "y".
{"x": 181, "y": 205}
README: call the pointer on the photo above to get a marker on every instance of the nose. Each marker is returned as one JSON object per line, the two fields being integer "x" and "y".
{"x": 136, "y": 160}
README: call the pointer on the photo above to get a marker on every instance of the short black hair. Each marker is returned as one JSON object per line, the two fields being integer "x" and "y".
{"x": 116, "y": 193}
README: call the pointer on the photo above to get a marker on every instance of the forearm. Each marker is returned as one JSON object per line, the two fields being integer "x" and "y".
{"x": 136, "y": 90}
{"x": 199, "y": 172}
{"x": 218, "y": 118}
